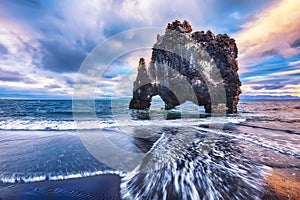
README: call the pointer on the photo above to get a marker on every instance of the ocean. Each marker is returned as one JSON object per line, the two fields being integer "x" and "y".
{"x": 59, "y": 149}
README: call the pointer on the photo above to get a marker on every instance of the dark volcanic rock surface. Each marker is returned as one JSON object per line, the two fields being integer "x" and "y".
{"x": 199, "y": 67}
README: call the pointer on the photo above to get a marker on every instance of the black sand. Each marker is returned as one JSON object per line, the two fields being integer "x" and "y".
{"x": 97, "y": 187}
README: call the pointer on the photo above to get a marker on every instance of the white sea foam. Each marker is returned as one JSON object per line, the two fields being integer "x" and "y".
{"x": 26, "y": 124}
{"x": 17, "y": 124}
{"x": 264, "y": 142}
{"x": 27, "y": 178}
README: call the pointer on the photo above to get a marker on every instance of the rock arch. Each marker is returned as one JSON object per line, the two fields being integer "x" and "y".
{"x": 171, "y": 74}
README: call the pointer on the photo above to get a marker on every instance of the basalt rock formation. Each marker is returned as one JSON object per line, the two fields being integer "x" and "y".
{"x": 199, "y": 67}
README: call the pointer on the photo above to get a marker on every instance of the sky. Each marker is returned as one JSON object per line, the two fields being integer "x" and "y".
{"x": 44, "y": 43}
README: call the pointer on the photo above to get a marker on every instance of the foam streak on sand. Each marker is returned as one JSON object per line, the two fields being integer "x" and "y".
{"x": 193, "y": 175}
{"x": 27, "y": 178}
{"x": 241, "y": 137}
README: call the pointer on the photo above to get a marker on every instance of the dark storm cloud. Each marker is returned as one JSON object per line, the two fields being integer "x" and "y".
{"x": 64, "y": 54}
{"x": 63, "y": 43}
{"x": 60, "y": 56}
{"x": 56, "y": 51}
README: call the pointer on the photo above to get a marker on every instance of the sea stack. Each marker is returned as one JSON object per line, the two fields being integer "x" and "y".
{"x": 189, "y": 66}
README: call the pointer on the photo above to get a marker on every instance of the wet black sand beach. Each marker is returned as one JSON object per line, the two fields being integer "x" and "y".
{"x": 95, "y": 187}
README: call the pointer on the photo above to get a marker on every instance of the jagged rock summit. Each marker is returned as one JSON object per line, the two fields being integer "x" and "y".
{"x": 198, "y": 67}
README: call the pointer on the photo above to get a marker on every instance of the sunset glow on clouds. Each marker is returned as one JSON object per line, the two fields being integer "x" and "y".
{"x": 274, "y": 31}
{"x": 270, "y": 47}
{"x": 43, "y": 43}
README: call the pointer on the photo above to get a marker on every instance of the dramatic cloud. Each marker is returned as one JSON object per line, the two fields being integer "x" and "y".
{"x": 286, "y": 90}
{"x": 274, "y": 32}
{"x": 59, "y": 56}
{"x": 219, "y": 16}
{"x": 43, "y": 43}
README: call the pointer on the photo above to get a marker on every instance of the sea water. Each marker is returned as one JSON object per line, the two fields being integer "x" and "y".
{"x": 40, "y": 141}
